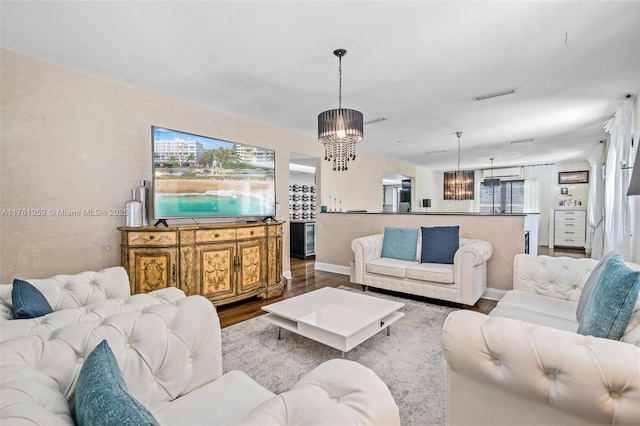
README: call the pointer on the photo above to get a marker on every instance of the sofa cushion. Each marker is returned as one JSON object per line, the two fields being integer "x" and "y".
{"x": 537, "y": 309}
{"x": 224, "y": 401}
{"x": 435, "y": 272}
{"x": 560, "y": 308}
{"x": 101, "y": 396}
{"x": 610, "y": 305}
{"x": 587, "y": 288}
{"x": 28, "y": 301}
{"x": 400, "y": 243}
{"x": 390, "y": 267}
{"x": 439, "y": 244}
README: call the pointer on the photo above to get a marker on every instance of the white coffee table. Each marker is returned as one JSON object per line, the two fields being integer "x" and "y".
{"x": 337, "y": 318}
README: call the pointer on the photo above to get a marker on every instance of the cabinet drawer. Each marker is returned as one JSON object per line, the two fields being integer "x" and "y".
{"x": 215, "y": 235}
{"x": 274, "y": 231}
{"x": 570, "y": 233}
{"x": 151, "y": 238}
{"x": 251, "y": 232}
{"x": 569, "y": 241}
{"x": 570, "y": 213}
{"x": 571, "y": 226}
{"x": 571, "y": 216}
{"x": 571, "y": 220}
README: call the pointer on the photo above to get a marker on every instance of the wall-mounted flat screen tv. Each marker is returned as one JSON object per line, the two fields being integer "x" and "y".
{"x": 196, "y": 176}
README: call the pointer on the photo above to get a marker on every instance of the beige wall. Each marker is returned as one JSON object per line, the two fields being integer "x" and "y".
{"x": 72, "y": 140}
{"x": 334, "y": 233}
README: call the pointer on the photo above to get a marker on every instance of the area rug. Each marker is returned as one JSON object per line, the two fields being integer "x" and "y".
{"x": 410, "y": 361}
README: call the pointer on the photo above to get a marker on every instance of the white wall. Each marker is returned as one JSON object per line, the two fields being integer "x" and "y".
{"x": 302, "y": 179}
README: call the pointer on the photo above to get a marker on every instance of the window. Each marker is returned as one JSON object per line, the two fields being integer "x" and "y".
{"x": 508, "y": 197}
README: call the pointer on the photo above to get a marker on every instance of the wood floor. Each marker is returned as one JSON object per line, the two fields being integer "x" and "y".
{"x": 306, "y": 279}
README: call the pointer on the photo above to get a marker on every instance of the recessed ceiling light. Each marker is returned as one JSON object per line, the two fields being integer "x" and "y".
{"x": 376, "y": 120}
{"x": 436, "y": 152}
{"x": 495, "y": 95}
{"x": 520, "y": 141}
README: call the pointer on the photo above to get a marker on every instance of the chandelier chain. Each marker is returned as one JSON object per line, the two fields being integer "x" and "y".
{"x": 458, "y": 152}
{"x": 339, "y": 82}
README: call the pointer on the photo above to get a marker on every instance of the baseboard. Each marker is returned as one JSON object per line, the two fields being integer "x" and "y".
{"x": 287, "y": 276}
{"x": 494, "y": 294}
{"x": 336, "y": 269}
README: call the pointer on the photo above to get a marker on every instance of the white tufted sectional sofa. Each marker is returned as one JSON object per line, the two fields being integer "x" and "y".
{"x": 524, "y": 364}
{"x": 84, "y": 297}
{"x": 171, "y": 359}
{"x": 462, "y": 282}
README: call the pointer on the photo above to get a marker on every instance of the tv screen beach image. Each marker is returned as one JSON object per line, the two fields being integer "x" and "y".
{"x": 196, "y": 176}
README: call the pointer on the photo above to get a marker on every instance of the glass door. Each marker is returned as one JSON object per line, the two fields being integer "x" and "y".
{"x": 310, "y": 239}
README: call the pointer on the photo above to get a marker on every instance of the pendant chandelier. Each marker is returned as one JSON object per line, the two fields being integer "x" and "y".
{"x": 458, "y": 185}
{"x": 340, "y": 129}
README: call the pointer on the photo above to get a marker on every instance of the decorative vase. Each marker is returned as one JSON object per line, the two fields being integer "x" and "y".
{"x": 142, "y": 195}
{"x": 133, "y": 209}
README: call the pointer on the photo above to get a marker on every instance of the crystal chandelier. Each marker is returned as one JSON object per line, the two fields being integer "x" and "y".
{"x": 458, "y": 185}
{"x": 340, "y": 129}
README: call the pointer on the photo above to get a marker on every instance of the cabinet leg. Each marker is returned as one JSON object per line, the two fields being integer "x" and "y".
{"x": 279, "y": 333}
{"x": 364, "y": 287}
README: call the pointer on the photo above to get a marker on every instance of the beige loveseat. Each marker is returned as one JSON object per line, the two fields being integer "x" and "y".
{"x": 464, "y": 281}
{"x": 170, "y": 356}
{"x": 525, "y": 364}
{"x": 86, "y": 297}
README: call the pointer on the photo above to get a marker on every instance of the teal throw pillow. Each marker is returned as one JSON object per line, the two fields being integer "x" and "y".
{"x": 400, "y": 243}
{"x": 27, "y": 301}
{"x": 590, "y": 283}
{"x": 610, "y": 305}
{"x": 440, "y": 244}
{"x": 101, "y": 397}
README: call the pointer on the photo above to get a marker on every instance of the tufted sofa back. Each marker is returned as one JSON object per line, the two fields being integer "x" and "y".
{"x": 93, "y": 314}
{"x": 73, "y": 291}
{"x": 559, "y": 277}
{"x": 164, "y": 351}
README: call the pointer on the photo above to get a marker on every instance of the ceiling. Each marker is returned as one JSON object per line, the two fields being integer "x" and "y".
{"x": 417, "y": 64}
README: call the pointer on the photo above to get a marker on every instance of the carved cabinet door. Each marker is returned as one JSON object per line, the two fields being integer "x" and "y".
{"x": 216, "y": 276}
{"x": 152, "y": 269}
{"x": 252, "y": 265}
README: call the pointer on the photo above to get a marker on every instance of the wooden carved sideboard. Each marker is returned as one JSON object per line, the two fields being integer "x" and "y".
{"x": 223, "y": 262}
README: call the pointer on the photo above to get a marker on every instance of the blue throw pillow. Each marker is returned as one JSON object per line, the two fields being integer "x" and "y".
{"x": 400, "y": 243}
{"x": 27, "y": 301}
{"x": 610, "y": 305}
{"x": 440, "y": 244}
{"x": 590, "y": 283}
{"x": 101, "y": 397}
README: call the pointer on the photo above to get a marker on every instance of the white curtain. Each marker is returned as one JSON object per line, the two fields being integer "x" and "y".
{"x": 617, "y": 227}
{"x": 538, "y": 183}
{"x": 595, "y": 208}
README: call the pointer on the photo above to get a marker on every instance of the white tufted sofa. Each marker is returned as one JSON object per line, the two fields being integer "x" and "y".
{"x": 463, "y": 282}
{"x": 85, "y": 297}
{"x": 171, "y": 359}
{"x": 524, "y": 364}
